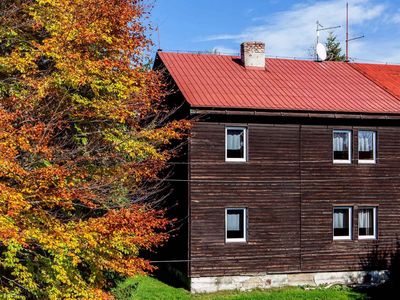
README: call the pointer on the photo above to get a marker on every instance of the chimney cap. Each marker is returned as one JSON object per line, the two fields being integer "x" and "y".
{"x": 253, "y": 43}
{"x": 253, "y": 55}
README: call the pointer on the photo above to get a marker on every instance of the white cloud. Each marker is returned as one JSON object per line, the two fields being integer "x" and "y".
{"x": 291, "y": 33}
{"x": 395, "y": 18}
{"x": 219, "y": 37}
{"x": 387, "y": 51}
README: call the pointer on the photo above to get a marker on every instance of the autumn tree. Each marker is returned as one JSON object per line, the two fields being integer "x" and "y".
{"x": 333, "y": 49}
{"x": 83, "y": 139}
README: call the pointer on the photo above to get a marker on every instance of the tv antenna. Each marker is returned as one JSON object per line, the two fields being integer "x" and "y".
{"x": 347, "y": 33}
{"x": 158, "y": 38}
{"x": 320, "y": 27}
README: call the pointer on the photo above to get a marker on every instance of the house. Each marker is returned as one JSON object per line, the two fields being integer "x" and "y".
{"x": 291, "y": 174}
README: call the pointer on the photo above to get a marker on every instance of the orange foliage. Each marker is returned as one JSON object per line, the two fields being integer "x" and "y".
{"x": 82, "y": 140}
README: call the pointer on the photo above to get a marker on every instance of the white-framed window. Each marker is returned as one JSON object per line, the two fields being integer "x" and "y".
{"x": 342, "y": 225}
{"x": 366, "y": 147}
{"x": 235, "y": 224}
{"x": 235, "y": 144}
{"x": 367, "y": 223}
{"x": 342, "y": 146}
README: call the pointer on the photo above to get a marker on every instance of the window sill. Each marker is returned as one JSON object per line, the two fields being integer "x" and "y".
{"x": 344, "y": 162}
{"x": 363, "y": 238}
{"x": 366, "y": 162}
{"x": 235, "y": 241}
{"x": 235, "y": 161}
{"x": 342, "y": 239}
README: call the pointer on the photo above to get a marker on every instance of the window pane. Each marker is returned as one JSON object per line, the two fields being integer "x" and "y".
{"x": 235, "y": 143}
{"x": 366, "y": 222}
{"x": 366, "y": 146}
{"x": 341, "y": 226}
{"x": 341, "y": 145}
{"x": 235, "y": 224}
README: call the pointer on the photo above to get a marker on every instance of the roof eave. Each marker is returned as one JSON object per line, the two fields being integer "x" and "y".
{"x": 293, "y": 114}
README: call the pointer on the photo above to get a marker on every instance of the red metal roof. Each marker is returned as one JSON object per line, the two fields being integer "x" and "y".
{"x": 220, "y": 81}
{"x": 386, "y": 76}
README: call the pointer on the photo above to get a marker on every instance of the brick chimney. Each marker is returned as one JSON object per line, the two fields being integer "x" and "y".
{"x": 253, "y": 55}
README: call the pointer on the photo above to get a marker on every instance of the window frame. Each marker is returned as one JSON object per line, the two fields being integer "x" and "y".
{"x": 228, "y": 159}
{"x": 367, "y": 161}
{"x": 236, "y": 240}
{"x": 375, "y": 223}
{"x": 342, "y": 161}
{"x": 350, "y": 236}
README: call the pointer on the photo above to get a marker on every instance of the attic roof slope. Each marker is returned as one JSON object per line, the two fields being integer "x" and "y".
{"x": 221, "y": 81}
{"x": 386, "y": 76}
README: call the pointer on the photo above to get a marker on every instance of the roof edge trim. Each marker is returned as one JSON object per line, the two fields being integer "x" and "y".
{"x": 294, "y": 114}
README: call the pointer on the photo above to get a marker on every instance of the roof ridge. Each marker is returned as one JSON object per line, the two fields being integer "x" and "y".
{"x": 292, "y": 58}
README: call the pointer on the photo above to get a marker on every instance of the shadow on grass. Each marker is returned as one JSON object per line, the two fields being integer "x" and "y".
{"x": 173, "y": 276}
{"x": 382, "y": 258}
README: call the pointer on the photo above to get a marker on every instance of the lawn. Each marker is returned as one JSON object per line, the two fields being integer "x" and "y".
{"x": 148, "y": 288}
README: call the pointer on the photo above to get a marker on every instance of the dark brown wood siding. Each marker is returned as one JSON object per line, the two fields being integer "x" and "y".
{"x": 289, "y": 186}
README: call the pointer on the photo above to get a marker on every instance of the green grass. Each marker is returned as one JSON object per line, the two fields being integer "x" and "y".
{"x": 148, "y": 288}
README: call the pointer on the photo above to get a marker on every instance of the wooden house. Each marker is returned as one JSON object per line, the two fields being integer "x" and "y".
{"x": 292, "y": 170}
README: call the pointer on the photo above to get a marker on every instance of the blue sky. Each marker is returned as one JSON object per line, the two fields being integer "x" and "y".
{"x": 287, "y": 27}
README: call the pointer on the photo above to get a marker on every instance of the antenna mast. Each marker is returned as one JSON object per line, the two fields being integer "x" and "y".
{"x": 158, "y": 38}
{"x": 321, "y": 28}
{"x": 347, "y": 33}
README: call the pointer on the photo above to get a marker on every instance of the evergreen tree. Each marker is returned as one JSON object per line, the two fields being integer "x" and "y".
{"x": 333, "y": 49}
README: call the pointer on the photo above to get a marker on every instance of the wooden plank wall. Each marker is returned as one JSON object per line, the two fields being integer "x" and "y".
{"x": 325, "y": 184}
{"x": 289, "y": 186}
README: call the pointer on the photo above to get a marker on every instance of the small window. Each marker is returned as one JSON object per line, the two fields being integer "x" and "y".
{"x": 367, "y": 147}
{"x": 235, "y": 144}
{"x": 235, "y": 224}
{"x": 342, "y": 223}
{"x": 342, "y": 146}
{"x": 367, "y": 223}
